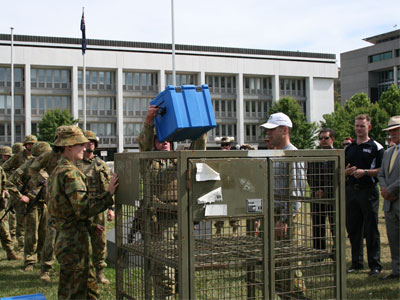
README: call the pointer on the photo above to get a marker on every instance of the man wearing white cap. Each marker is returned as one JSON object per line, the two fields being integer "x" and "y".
{"x": 278, "y": 131}
{"x": 389, "y": 180}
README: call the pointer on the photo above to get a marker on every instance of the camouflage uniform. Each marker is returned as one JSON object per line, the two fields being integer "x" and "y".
{"x": 71, "y": 209}
{"x": 41, "y": 167}
{"x": 98, "y": 178}
{"x": 4, "y": 235}
{"x": 21, "y": 155}
{"x": 35, "y": 221}
{"x": 164, "y": 225}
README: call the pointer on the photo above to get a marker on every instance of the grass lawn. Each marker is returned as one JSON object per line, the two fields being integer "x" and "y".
{"x": 15, "y": 281}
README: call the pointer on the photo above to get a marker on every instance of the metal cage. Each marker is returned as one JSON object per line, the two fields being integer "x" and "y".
{"x": 230, "y": 225}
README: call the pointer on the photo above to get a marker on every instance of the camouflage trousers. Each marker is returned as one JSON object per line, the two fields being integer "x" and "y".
{"x": 16, "y": 222}
{"x": 4, "y": 235}
{"x": 12, "y": 223}
{"x": 35, "y": 224}
{"x": 99, "y": 244}
{"x": 77, "y": 279}
{"x": 288, "y": 275}
{"x": 47, "y": 257}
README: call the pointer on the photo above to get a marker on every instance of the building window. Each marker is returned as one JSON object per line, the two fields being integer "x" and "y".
{"x": 257, "y": 108}
{"x": 257, "y": 85}
{"x": 5, "y": 105}
{"x": 35, "y": 128}
{"x": 380, "y": 56}
{"x": 140, "y": 81}
{"x": 5, "y": 77}
{"x": 385, "y": 80}
{"x": 222, "y": 129}
{"x": 106, "y": 132}
{"x": 50, "y": 78}
{"x": 181, "y": 79}
{"x": 397, "y": 52}
{"x": 292, "y": 87}
{"x": 5, "y": 133}
{"x": 40, "y": 104}
{"x": 98, "y": 106}
{"x": 97, "y": 80}
{"x": 224, "y": 108}
{"x": 253, "y": 133}
{"x": 135, "y": 106}
{"x": 221, "y": 84}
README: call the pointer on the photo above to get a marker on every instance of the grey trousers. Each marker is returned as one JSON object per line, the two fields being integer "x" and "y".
{"x": 392, "y": 219}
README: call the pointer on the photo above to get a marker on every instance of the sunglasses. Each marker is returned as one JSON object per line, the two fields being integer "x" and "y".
{"x": 324, "y": 138}
{"x": 346, "y": 144}
{"x": 225, "y": 144}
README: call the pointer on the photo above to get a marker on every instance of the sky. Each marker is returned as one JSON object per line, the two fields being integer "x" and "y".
{"x": 321, "y": 26}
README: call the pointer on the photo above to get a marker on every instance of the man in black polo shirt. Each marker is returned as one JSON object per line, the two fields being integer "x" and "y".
{"x": 363, "y": 160}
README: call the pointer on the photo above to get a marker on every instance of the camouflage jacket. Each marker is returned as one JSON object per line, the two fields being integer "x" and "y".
{"x": 3, "y": 179}
{"x": 18, "y": 183}
{"x": 15, "y": 162}
{"x": 146, "y": 140}
{"x": 40, "y": 169}
{"x": 68, "y": 201}
{"x": 97, "y": 175}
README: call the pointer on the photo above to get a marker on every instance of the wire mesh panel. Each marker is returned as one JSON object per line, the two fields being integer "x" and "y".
{"x": 233, "y": 225}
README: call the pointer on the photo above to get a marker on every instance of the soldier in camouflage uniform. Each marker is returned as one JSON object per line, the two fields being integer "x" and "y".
{"x": 4, "y": 235}
{"x": 17, "y": 148}
{"x": 164, "y": 227}
{"x": 5, "y": 153}
{"x": 42, "y": 167}
{"x": 35, "y": 221}
{"x": 17, "y": 228}
{"x": 71, "y": 208}
{"x": 98, "y": 177}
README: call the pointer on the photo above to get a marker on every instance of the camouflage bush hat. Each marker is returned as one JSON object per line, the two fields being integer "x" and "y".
{"x": 69, "y": 135}
{"x": 91, "y": 136}
{"x": 40, "y": 147}
{"x": 5, "y": 150}
{"x": 30, "y": 139}
{"x": 17, "y": 148}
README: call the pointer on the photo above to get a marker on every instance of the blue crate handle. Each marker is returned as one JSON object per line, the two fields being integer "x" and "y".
{"x": 162, "y": 110}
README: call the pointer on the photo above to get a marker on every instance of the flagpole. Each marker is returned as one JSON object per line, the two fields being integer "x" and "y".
{"x": 12, "y": 86}
{"x": 173, "y": 44}
{"x": 84, "y": 76}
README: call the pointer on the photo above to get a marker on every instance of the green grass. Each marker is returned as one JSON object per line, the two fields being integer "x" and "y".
{"x": 15, "y": 281}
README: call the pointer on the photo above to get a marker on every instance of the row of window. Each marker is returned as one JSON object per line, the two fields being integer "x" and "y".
{"x": 98, "y": 106}
{"x": 292, "y": 87}
{"x": 5, "y": 77}
{"x": 140, "y": 81}
{"x": 41, "y": 104}
{"x": 5, "y": 104}
{"x": 50, "y": 78}
{"x": 380, "y": 56}
{"x": 135, "y": 106}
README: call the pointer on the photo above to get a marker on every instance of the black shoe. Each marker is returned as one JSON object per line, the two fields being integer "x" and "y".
{"x": 354, "y": 269}
{"x": 374, "y": 272}
{"x": 391, "y": 276}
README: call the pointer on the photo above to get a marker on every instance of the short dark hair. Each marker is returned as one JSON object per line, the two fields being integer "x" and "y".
{"x": 330, "y": 130}
{"x": 363, "y": 117}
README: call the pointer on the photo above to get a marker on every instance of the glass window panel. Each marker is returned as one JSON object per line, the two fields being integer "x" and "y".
{"x": 57, "y": 102}
{"x": 49, "y": 74}
{"x": 33, "y": 102}
{"x": 18, "y": 75}
{"x": 94, "y": 77}
{"x": 2, "y": 101}
{"x": 101, "y": 78}
{"x": 87, "y": 77}
{"x": 101, "y": 103}
{"x": 49, "y": 102}
{"x": 8, "y": 74}
{"x": 2, "y": 73}
{"x": 143, "y": 79}
{"x": 41, "y": 75}
{"x": 137, "y": 79}
{"x": 143, "y": 106}
{"x": 94, "y": 103}
{"x": 107, "y": 103}
{"x": 108, "y": 77}
{"x": 57, "y": 76}
{"x": 19, "y": 104}
{"x": 130, "y": 79}
{"x": 79, "y": 77}
{"x": 64, "y": 76}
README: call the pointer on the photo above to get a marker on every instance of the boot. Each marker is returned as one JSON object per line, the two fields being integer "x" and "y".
{"x": 29, "y": 268}
{"x": 101, "y": 278}
{"x": 12, "y": 256}
{"x": 45, "y": 277}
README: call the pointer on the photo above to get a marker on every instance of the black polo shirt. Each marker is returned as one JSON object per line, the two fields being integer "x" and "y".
{"x": 367, "y": 156}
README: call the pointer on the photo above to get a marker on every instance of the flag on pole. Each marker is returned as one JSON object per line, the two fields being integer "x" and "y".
{"x": 83, "y": 29}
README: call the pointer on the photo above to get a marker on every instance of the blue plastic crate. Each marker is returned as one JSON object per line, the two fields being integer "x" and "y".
{"x": 186, "y": 113}
{"x": 38, "y": 296}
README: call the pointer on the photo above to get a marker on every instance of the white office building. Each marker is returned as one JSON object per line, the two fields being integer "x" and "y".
{"x": 122, "y": 77}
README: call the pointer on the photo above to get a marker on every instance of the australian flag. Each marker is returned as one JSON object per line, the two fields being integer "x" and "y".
{"x": 83, "y": 29}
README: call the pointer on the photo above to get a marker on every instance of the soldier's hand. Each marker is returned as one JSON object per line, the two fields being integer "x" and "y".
{"x": 99, "y": 230}
{"x": 110, "y": 215}
{"x": 5, "y": 194}
{"x": 281, "y": 229}
{"x": 113, "y": 184}
{"x": 24, "y": 199}
{"x": 151, "y": 113}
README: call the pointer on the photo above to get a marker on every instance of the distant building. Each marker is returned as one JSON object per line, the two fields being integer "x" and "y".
{"x": 122, "y": 77}
{"x": 371, "y": 69}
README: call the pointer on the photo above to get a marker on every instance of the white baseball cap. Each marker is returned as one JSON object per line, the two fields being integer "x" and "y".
{"x": 277, "y": 119}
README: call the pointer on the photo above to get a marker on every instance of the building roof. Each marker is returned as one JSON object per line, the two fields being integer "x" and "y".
{"x": 109, "y": 44}
{"x": 384, "y": 37}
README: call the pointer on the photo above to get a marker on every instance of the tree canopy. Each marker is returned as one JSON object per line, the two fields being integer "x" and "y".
{"x": 51, "y": 120}
{"x": 303, "y": 133}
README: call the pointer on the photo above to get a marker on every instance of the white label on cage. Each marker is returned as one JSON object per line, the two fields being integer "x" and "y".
{"x": 211, "y": 197}
{"x": 205, "y": 172}
{"x": 254, "y": 205}
{"x": 216, "y": 210}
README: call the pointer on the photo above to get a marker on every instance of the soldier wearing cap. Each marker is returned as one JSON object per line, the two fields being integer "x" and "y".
{"x": 17, "y": 227}
{"x": 20, "y": 188}
{"x": 70, "y": 206}
{"x": 6, "y": 153}
{"x": 98, "y": 178}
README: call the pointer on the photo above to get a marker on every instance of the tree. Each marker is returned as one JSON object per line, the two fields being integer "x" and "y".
{"x": 390, "y": 101}
{"x": 52, "y": 119}
{"x": 303, "y": 132}
{"x": 342, "y": 119}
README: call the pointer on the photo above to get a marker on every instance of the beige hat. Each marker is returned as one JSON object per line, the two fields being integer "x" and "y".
{"x": 394, "y": 122}
{"x": 5, "y": 150}
{"x": 30, "y": 139}
{"x": 17, "y": 148}
{"x": 69, "y": 136}
{"x": 91, "y": 136}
